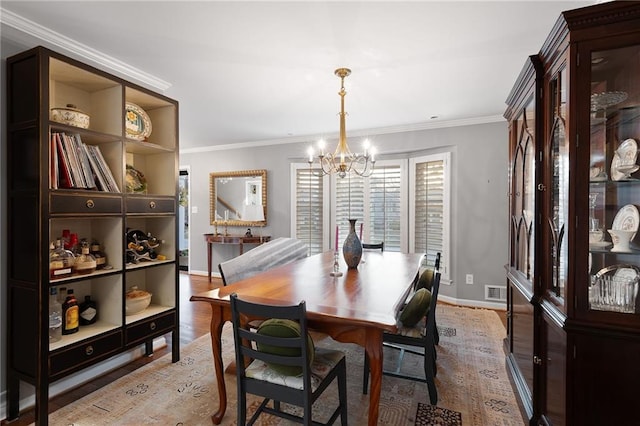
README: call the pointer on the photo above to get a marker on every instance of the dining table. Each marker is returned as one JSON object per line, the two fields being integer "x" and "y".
{"x": 357, "y": 306}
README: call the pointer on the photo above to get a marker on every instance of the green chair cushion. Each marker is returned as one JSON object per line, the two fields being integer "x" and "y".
{"x": 426, "y": 279}
{"x": 416, "y": 308}
{"x": 277, "y": 327}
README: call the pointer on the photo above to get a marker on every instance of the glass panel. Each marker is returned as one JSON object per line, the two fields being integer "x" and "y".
{"x": 558, "y": 216}
{"x": 614, "y": 188}
{"x": 430, "y": 208}
{"x": 523, "y": 200}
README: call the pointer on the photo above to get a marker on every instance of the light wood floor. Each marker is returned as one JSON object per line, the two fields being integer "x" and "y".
{"x": 194, "y": 322}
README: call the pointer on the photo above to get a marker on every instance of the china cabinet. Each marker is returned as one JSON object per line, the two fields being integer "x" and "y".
{"x": 573, "y": 312}
{"x": 574, "y": 266}
{"x": 69, "y": 175}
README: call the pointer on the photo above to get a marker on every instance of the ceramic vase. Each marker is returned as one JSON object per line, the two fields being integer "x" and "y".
{"x": 352, "y": 247}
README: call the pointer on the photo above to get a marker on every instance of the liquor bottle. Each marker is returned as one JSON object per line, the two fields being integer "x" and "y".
{"x": 70, "y": 314}
{"x": 60, "y": 262}
{"x": 55, "y": 316}
{"x": 101, "y": 258}
{"x": 74, "y": 246}
{"x": 88, "y": 311}
{"x": 85, "y": 263}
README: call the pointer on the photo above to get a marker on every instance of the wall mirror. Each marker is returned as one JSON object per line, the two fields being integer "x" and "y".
{"x": 238, "y": 198}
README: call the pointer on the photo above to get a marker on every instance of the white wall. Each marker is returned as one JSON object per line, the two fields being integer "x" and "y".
{"x": 479, "y": 196}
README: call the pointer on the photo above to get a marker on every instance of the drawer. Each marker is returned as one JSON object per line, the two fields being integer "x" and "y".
{"x": 85, "y": 204}
{"x": 75, "y": 357}
{"x": 150, "y": 328}
{"x": 151, "y": 205}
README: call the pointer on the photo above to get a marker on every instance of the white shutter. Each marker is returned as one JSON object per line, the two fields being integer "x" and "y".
{"x": 308, "y": 208}
{"x": 375, "y": 201}
{"x": 430, "y": 221}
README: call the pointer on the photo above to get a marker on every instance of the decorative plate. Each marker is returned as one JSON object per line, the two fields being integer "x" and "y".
{"x": 606, "y": 99}
{"x": 621, "y": 171}
{"x": 627, "y": 219}
{"x": 135, "y": 181}
{"x": 137, "y": 122}
{"x": 628, "y": 152}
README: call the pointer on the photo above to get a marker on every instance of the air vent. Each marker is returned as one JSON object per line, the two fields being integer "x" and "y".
{"x": 495, "y": 293}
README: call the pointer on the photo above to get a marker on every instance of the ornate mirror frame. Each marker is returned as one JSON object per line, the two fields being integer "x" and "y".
{"x": 219, "y": 178}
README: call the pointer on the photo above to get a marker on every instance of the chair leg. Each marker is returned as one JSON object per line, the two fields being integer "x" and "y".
{"x": 365, "y": 377}
{"x": 242, "y": 408}
{"x": 436, "y": 335}
{"x": 429, "y": 365}
{"x": 342, "y": 394}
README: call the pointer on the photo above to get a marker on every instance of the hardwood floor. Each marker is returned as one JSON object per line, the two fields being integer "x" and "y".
{"x": 194, "y": 322}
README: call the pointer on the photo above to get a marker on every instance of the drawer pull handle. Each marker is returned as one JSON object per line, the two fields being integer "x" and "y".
{"x": 88, "y": 350}
{"x": 90, "y": 204}
{"x": 152, "y": 325}
{"x": 152, "y": 204}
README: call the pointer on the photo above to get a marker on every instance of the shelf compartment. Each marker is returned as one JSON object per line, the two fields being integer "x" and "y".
{"x": 160, "y": 282}
{"x": 106, "y": 291}
{"x": 162, "y": 228}
{"x": 162, "y": 114}
{"x": 159, "y": 169}
{"x": 107, "y": 231}
{"x": 92, "y": 93}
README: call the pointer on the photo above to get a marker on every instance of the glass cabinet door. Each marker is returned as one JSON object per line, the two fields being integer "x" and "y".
{"x": 614, "y": 182}
{"x": 558, "y": 206}
{"x": 523, "y": 193}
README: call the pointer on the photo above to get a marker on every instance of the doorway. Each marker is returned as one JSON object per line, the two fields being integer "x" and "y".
{"x": 183, "y": 219}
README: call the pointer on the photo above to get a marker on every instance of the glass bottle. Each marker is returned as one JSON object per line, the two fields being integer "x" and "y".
{"x": 70, "y": 314}
{"x": 88, "y": 311}
{"x": 60, "y": 262}
{"x": 101, "y": 258}
{"x": 85, "y": 263}
{"x": 55, "y": 316}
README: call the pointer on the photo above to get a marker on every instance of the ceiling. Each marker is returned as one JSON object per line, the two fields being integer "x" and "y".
{"x": 263, "y": 72}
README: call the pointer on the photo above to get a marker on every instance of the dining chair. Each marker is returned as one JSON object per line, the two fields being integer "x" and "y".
{"x": 420, "y": 335}
{"x": 373, "y": 246}
{"x": 278, "y": 362}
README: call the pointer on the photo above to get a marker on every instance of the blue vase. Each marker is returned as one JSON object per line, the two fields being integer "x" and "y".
{"x": 352, "y": 247}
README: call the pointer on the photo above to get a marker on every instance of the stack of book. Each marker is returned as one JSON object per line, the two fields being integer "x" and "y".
{"x": 75, "y": 164}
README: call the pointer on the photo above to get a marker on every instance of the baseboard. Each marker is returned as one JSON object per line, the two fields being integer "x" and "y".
{"x": 498, "y": 306}
{"x": 204, "y": 273}
{"x": 28, "y": 400}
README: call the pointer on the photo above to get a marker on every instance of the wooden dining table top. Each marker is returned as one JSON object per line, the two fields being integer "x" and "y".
{"x": 371, "y": 294}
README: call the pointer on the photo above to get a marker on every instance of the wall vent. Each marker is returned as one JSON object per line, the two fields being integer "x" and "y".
{"x": 495, "y": 293}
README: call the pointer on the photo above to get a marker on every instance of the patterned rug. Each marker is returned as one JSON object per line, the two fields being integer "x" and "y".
{"x": 472, "y": 384}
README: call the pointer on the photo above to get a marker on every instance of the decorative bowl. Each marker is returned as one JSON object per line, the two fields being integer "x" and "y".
{"x": 136, "y": 301}
{"x": 70, "y": 115}
{"x": 621, "y": 240}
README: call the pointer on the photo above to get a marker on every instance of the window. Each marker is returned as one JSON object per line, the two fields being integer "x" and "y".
{"x": 429, "y": 218}
{"x": 377, "y": 202}
{"x": 409, "y": 211}
{"x": 309, "y": 202}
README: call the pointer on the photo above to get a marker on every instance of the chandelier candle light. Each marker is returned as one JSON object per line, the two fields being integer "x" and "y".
{"x": 343, "y": 161}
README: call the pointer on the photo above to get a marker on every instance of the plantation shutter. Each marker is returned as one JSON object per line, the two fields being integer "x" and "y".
{"x": 375, "y": 202}
{"x": 429, "y": 207}
{"x": 309, "y": 208}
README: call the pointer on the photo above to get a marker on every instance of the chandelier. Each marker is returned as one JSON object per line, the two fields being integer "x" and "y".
{"x": 343, "y": 161}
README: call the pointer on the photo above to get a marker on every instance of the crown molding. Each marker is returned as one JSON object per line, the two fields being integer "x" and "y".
{"x": 427, "y": 125}
{"x": 80, "y": 51}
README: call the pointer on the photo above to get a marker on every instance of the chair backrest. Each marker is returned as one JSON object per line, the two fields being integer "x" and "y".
{"x": 431, "y": 313}
{"x": 266, "y": 256}
{"x": 247, "y": 339}
{"x": 372, "y": 246}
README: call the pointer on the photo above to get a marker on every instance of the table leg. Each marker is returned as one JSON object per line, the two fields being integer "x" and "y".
{"x": 217, "y": 321}
{"x": 209, "y": 260}
{"x": 373, "y": 349}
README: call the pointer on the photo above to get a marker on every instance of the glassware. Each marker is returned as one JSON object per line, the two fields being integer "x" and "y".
{"x": 60, "y": 261}
{"x": 55, "y": 316}
{"x": 336, "y": 265}
{"x": 85, "y": 263}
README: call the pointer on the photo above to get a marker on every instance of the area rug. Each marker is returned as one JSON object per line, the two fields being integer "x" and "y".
{"x": 472, "y": 384}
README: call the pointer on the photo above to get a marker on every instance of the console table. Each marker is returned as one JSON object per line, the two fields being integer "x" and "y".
{"x": 239, "y": 240}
